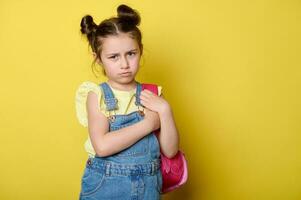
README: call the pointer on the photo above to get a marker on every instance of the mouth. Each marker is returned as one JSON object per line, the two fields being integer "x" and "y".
{"x": 125, "y": 74}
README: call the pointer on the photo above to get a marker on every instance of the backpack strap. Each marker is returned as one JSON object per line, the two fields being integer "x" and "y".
{"x": 151, "y": 87}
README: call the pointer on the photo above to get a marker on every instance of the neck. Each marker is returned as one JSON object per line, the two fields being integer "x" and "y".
{"x": 123, "y": 86}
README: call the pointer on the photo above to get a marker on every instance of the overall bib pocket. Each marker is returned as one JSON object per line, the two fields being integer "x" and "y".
{"x": 141, "y": 147}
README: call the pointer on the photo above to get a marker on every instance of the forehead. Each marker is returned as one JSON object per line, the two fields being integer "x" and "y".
{"x": 118, "y": 43}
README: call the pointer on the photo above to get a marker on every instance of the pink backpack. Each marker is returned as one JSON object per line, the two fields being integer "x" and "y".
{"x": 174, "y": 170}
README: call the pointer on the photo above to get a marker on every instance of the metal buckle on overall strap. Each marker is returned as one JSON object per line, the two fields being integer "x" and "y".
{"x": 141, "y": 111}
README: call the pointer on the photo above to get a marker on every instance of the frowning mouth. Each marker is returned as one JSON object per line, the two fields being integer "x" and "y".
{"x": 125, "y": 74}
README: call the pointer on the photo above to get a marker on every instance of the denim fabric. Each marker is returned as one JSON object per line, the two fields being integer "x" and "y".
{"x": 131, "y": 174}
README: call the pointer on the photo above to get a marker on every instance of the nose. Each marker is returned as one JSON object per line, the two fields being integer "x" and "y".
{"x": 124, "y": 63}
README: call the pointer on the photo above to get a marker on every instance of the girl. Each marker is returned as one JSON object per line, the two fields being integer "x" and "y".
{"x": 124, "y": 153}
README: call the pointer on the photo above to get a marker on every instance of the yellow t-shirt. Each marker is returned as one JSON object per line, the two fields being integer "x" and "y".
{"x": 126, "y": 105}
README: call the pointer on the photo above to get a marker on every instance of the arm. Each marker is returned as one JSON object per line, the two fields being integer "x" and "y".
{"x": 107, "y": 144}
{"x": 168, "y": 137}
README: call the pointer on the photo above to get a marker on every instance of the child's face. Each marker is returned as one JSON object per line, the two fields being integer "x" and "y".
{"x": 120, "y": 58}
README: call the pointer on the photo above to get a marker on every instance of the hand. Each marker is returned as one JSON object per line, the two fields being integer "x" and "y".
{"x": 154, "y": 102}
{"x": 152, "y": 118}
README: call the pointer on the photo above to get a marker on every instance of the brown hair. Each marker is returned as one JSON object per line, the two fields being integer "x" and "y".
{"x": 126, "y": 21}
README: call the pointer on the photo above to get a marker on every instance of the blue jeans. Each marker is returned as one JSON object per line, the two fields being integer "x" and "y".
{"x": 108, "y": 180}
{"x": 131, "y": 174}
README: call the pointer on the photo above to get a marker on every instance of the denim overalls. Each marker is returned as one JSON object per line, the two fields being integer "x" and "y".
{"x": 131, "y": 174}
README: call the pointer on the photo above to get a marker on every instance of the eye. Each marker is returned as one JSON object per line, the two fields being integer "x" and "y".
{"x": 132, "y": 53}
{"x": 113, "y": 57}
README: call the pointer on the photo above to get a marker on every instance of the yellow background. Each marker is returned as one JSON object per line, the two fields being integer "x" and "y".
{"x": 230, "y": 70}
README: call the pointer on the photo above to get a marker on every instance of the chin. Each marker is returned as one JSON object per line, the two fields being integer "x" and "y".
{"x": 126, "y": 80}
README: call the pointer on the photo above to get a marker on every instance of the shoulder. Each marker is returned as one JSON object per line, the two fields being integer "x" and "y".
{"x": 81, "y": 95}
{"x": 85, "y": 87}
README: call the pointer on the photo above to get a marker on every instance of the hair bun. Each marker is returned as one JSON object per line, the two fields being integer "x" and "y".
{"x": 87, "y": 25}
{"x": 128, "y": 15}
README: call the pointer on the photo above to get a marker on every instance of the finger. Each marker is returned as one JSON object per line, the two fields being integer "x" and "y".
{"x": 145, "y": 98}
{"x": 144, "y": 103}
{"x": 147, "y": 93}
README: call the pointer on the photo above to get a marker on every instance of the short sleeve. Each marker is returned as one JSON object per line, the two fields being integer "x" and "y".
{"x": 81, "y": 95}
{"x": 159, "y": 90}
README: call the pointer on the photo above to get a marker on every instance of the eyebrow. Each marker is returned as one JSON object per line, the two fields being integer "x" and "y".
{"x": 110, "y": 54}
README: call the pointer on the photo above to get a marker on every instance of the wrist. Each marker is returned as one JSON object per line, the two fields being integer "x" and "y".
{"x": 147, "y": 125}
{"x": 165, "y": 111}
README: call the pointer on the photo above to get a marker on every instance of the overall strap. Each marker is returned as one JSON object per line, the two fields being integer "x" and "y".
{"x": 138, "y": 92}
{"x": 109, "y": 99}
{"x": 151, "y": 87}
